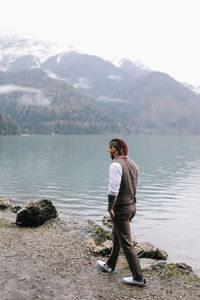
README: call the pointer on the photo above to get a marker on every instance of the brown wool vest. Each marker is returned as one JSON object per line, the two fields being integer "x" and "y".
{"x": 127, "y": 191}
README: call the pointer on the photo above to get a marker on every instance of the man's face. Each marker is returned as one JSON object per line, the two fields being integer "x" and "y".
{"x": 112, "y": 152}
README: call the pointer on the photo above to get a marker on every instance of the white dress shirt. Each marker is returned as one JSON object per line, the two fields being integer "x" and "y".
{"x": 115, "y": 177}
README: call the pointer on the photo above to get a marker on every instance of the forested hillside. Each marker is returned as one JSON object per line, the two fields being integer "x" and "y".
{"x": 7, "y": 127}
{"x": 42, "y": 105}
{"x": 157, "y": 104}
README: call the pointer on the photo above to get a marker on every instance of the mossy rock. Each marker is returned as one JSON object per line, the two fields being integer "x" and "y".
{"x": 178, "y": 269}
{"x": 98, "y": 233}
{"x": 107, "y": 221}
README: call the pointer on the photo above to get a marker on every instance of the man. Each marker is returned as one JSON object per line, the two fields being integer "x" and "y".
{"x": 123, "y": 177}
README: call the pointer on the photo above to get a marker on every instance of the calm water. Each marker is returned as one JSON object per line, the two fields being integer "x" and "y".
{"x": 72, "y": 171}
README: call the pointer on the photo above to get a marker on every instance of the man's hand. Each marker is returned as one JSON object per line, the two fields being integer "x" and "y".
{"x": 111, "y": 202}
{"x": 112, "y": 214}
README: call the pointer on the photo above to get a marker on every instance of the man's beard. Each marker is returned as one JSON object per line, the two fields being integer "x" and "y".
{"x": 112, "y": 155}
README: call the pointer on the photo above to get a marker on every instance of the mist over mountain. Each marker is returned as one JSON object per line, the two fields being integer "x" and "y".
{"x": 42, "y": 105}
{"x": 50, "y": 91}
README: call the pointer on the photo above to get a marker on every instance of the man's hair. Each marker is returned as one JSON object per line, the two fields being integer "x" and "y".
{"x": 119, "y": 145}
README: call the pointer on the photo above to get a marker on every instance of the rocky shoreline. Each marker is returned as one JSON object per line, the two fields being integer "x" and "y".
{"x": 57, "y": 260}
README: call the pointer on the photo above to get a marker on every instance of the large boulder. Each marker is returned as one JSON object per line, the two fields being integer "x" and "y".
{"x": 5, "y": 202}
{"x": 35, "y": 213}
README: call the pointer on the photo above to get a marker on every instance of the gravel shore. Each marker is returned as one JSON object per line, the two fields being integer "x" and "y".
{"x": 53, "y": 261}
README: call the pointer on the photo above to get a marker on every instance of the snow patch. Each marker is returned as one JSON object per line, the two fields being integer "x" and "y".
{"x": 13, "y": 47}
{"x": 119, "y": 61}
{"x": 116, "y": 61}
{"x": 59, "y": 58}
{"x": 195, "y": 89}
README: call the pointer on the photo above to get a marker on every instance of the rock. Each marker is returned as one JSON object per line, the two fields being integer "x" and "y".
{"x": 103, "y": 249}
{"x": 35, "y": 213}
{"x": 99, "y": 234}
{"x": 16, "y": 208}
{"x": 184, "y": 267}
{"x": 149, "y": 264}
{"x": 143, "y": 249}
{"x": 147, "y": 250}
{"x": 107, "y": 221}
{"x": 161, "y": 254}
{"x": 5, "y": 202}
{"x": 179, "y": 268}
{"x": 91, "y": 244}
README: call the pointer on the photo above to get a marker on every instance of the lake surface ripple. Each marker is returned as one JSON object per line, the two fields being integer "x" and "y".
{"x": 72, "y": 171}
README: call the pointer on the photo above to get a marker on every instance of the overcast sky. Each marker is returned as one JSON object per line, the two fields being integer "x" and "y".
{"x": 162, "y": 34}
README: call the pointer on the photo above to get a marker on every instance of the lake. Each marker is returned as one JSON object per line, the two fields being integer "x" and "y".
{"x": 72, "y": 171}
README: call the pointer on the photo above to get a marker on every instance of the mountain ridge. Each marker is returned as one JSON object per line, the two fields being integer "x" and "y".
{"x": 133, "y": 99}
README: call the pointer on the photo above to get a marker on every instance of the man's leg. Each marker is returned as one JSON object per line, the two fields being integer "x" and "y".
{"x": 112, "y": 261}
{"x": 123, "y": 232}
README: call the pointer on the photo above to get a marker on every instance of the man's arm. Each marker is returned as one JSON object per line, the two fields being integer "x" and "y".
{"x": 111, "y": 203}
{"x": 115, "y": 176}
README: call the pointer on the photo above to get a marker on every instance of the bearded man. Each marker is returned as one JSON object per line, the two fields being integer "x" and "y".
{"x": 123, "y": 178}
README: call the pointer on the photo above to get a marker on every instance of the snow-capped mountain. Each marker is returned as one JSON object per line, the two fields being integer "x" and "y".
{"x": 29, "y": 51}
{"x": 144, "y": 101}
{"x": 95, "y": 77}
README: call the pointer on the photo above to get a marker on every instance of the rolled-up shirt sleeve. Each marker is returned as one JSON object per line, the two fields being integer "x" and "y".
{"x": 115, "y": 177}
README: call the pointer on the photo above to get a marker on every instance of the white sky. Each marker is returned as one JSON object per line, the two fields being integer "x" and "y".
{"x": 162, "y": 34}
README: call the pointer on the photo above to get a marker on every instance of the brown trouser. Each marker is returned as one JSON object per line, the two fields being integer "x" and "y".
{"x": 121, "y": 236}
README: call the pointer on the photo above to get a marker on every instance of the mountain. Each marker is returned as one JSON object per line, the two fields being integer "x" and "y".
{"x": 126, "y": 96}
{"x": 90, "y": 74}
{"x": 21, "y": 63}
{"x": 93, "y": 76}
{"x": 42, "y": 105}
{"x": 143, "y": 100}
{"x": 157, "y": 103}
{"x": 7, "y": 127}
{"x": 14, "y": 48}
